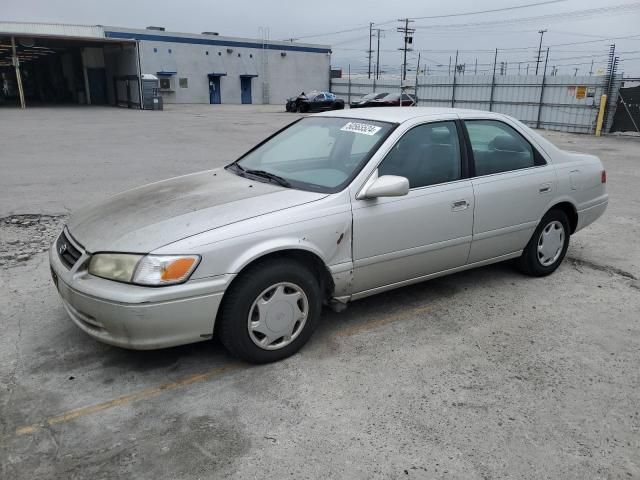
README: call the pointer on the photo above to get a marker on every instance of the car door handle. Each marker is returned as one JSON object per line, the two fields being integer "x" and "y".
{"x": 544, "y": 188}
{"x": 459, "y": 205}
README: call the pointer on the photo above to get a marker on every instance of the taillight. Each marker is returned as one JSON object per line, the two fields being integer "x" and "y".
{"x": 603, "y": 176}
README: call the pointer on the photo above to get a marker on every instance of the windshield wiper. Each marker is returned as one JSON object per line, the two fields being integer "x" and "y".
{"x": 268, "y": 175}
{"x": 236, "y": 166}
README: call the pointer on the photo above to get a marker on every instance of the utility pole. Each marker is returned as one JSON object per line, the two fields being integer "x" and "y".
{"x": 475, "y": 70}
{"x": 575, "y": 74}
{"x": 370, "y": 51}
{"x": 16, "y": 64}
{"x": 591, "y": 69}
{"x": 408, "y": 40}
{"x": 378, "y": 56}
{"x": 527, "y": 69}
{"x": 415, "y": 90}
{"x": 539, "y": 59}
{"x": 449, "y": 73}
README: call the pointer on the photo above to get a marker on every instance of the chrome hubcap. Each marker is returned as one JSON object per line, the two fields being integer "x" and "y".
{"x": 278, "y": 315}
{"x": 550, "y": 243}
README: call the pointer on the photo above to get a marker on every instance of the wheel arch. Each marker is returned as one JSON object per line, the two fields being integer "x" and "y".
{"x": 570, "y": 211}
{"x": 305, "y": 256}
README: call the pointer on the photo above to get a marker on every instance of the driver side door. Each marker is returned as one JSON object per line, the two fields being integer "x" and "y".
{"x": 398, "y": 240}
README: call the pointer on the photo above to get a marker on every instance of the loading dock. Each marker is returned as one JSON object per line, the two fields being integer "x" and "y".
{"x": 48, "y": 65}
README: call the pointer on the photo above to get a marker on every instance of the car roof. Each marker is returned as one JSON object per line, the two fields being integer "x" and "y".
{"x": 403, "y": 114}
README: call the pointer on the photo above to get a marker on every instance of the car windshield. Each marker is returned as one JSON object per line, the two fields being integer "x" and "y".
{"x": 392, "y": 96}
{"x": 316, "y": 153}
{"x": 369, "y": 96}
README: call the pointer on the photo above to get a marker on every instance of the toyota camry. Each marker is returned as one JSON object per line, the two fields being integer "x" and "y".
{"x": 333, "y": 208}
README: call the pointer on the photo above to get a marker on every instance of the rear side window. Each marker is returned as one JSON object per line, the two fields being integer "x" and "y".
{"x": 427, "y": 155}
{"x": 498, "y": 148}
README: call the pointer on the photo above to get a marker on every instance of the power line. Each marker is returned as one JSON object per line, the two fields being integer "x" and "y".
{"x": 386, "y": 22}
{"x": 622, "y": 8}
{"x": 516, "y": 7}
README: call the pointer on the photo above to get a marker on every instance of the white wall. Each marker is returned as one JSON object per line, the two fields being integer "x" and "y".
{"x": 287, "y": 75}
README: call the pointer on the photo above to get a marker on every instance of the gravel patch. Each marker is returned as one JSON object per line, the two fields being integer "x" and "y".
{"x": 23, "y": 236}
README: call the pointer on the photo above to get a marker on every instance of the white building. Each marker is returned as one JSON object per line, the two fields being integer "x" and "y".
{"x": 61, "y": 64}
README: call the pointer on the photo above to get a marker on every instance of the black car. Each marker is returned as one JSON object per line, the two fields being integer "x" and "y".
{"x": 368, "y": 100}
{"x": 393, "y": 100}
{"x": 314, "y": 102}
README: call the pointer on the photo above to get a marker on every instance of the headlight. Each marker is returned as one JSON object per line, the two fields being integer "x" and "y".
{"x": 154, "y": 270}
{"x": 114, "y": 266}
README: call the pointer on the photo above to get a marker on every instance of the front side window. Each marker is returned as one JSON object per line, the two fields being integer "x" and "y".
{"x": 426, "y": 155}
{"x": 497, "y": 147}
{"x": 317, "y": 153}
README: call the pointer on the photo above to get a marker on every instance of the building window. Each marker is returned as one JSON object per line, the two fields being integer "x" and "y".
{"x": 169, "y": 50}
{"x": 165, "y": 83}
{"x": 155, "y": 50}
{"x": 184, "y": 83}
{"x": 207, "y": 52}
{"x": 219, "y": 53}
{"x": 238, "y": 54}
{"x": 251, "y": 55}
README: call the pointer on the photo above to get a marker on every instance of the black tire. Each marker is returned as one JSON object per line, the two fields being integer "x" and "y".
{"x": 529, "y": 262}
{"x": 338, "y": 106}
{"x": 303, "y": 108}
{"x": 233, "y": 329}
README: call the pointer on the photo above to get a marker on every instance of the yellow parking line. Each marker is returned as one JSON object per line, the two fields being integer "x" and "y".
{"x": 165, "y": 387}
{"x": 126, "y": 399}
{"x": 366, "y": 326}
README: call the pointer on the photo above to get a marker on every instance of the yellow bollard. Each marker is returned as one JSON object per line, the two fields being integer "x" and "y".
{"x": 603, "y": 105}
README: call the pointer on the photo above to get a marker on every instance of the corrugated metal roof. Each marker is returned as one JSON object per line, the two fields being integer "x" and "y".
{"x": 52, "y": 29}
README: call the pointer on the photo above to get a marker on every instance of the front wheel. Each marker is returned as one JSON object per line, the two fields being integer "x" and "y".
{"x": 548, "y": 245}
{"x": 270, "y": 311}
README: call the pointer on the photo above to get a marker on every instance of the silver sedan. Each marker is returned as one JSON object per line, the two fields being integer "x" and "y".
{"x": 333, "y": 208}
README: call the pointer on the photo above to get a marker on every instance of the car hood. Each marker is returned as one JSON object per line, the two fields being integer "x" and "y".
{"x": 149, "y": 217}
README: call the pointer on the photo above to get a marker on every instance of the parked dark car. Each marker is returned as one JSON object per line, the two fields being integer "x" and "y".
{"x": 393, "y": 100}
{"x": 368, "y": 100}
{"x": 314, "y": 102}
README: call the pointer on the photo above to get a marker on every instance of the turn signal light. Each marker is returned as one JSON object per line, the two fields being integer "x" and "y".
{"x": 177, "y": 269}
{"x": 603, "y": 176}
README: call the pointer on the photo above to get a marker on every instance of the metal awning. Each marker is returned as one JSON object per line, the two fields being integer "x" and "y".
{"x": 214, "y": 74}
{"x": 166, "y": 73}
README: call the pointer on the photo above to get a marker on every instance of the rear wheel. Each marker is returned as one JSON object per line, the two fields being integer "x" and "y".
{"x": 303, "y": 108}
{"x": 548, "y": 245}
{"x": 270, "y": 311}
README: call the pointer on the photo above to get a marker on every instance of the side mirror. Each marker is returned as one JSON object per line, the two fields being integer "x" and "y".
{"x": 387, "y": 186}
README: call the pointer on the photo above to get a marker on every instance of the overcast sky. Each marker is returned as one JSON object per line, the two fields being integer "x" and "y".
{"x": 567, "y": 21}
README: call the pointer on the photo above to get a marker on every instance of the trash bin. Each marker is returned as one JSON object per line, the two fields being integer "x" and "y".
{"x": 157, "y": 102}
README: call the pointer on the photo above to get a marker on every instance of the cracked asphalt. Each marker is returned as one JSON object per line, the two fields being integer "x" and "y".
{"x": 485, "y": 374}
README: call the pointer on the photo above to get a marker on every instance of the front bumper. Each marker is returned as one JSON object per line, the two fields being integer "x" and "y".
{"x": 141, "y": 318}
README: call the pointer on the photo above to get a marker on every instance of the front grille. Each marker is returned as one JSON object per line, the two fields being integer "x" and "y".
{"x": 67, "y": 251}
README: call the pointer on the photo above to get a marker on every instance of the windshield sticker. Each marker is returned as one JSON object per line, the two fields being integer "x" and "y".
{"x": 363, "y": 128}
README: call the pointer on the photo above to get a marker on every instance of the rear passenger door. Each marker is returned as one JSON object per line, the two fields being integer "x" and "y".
{"x": 513, "y": 185}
